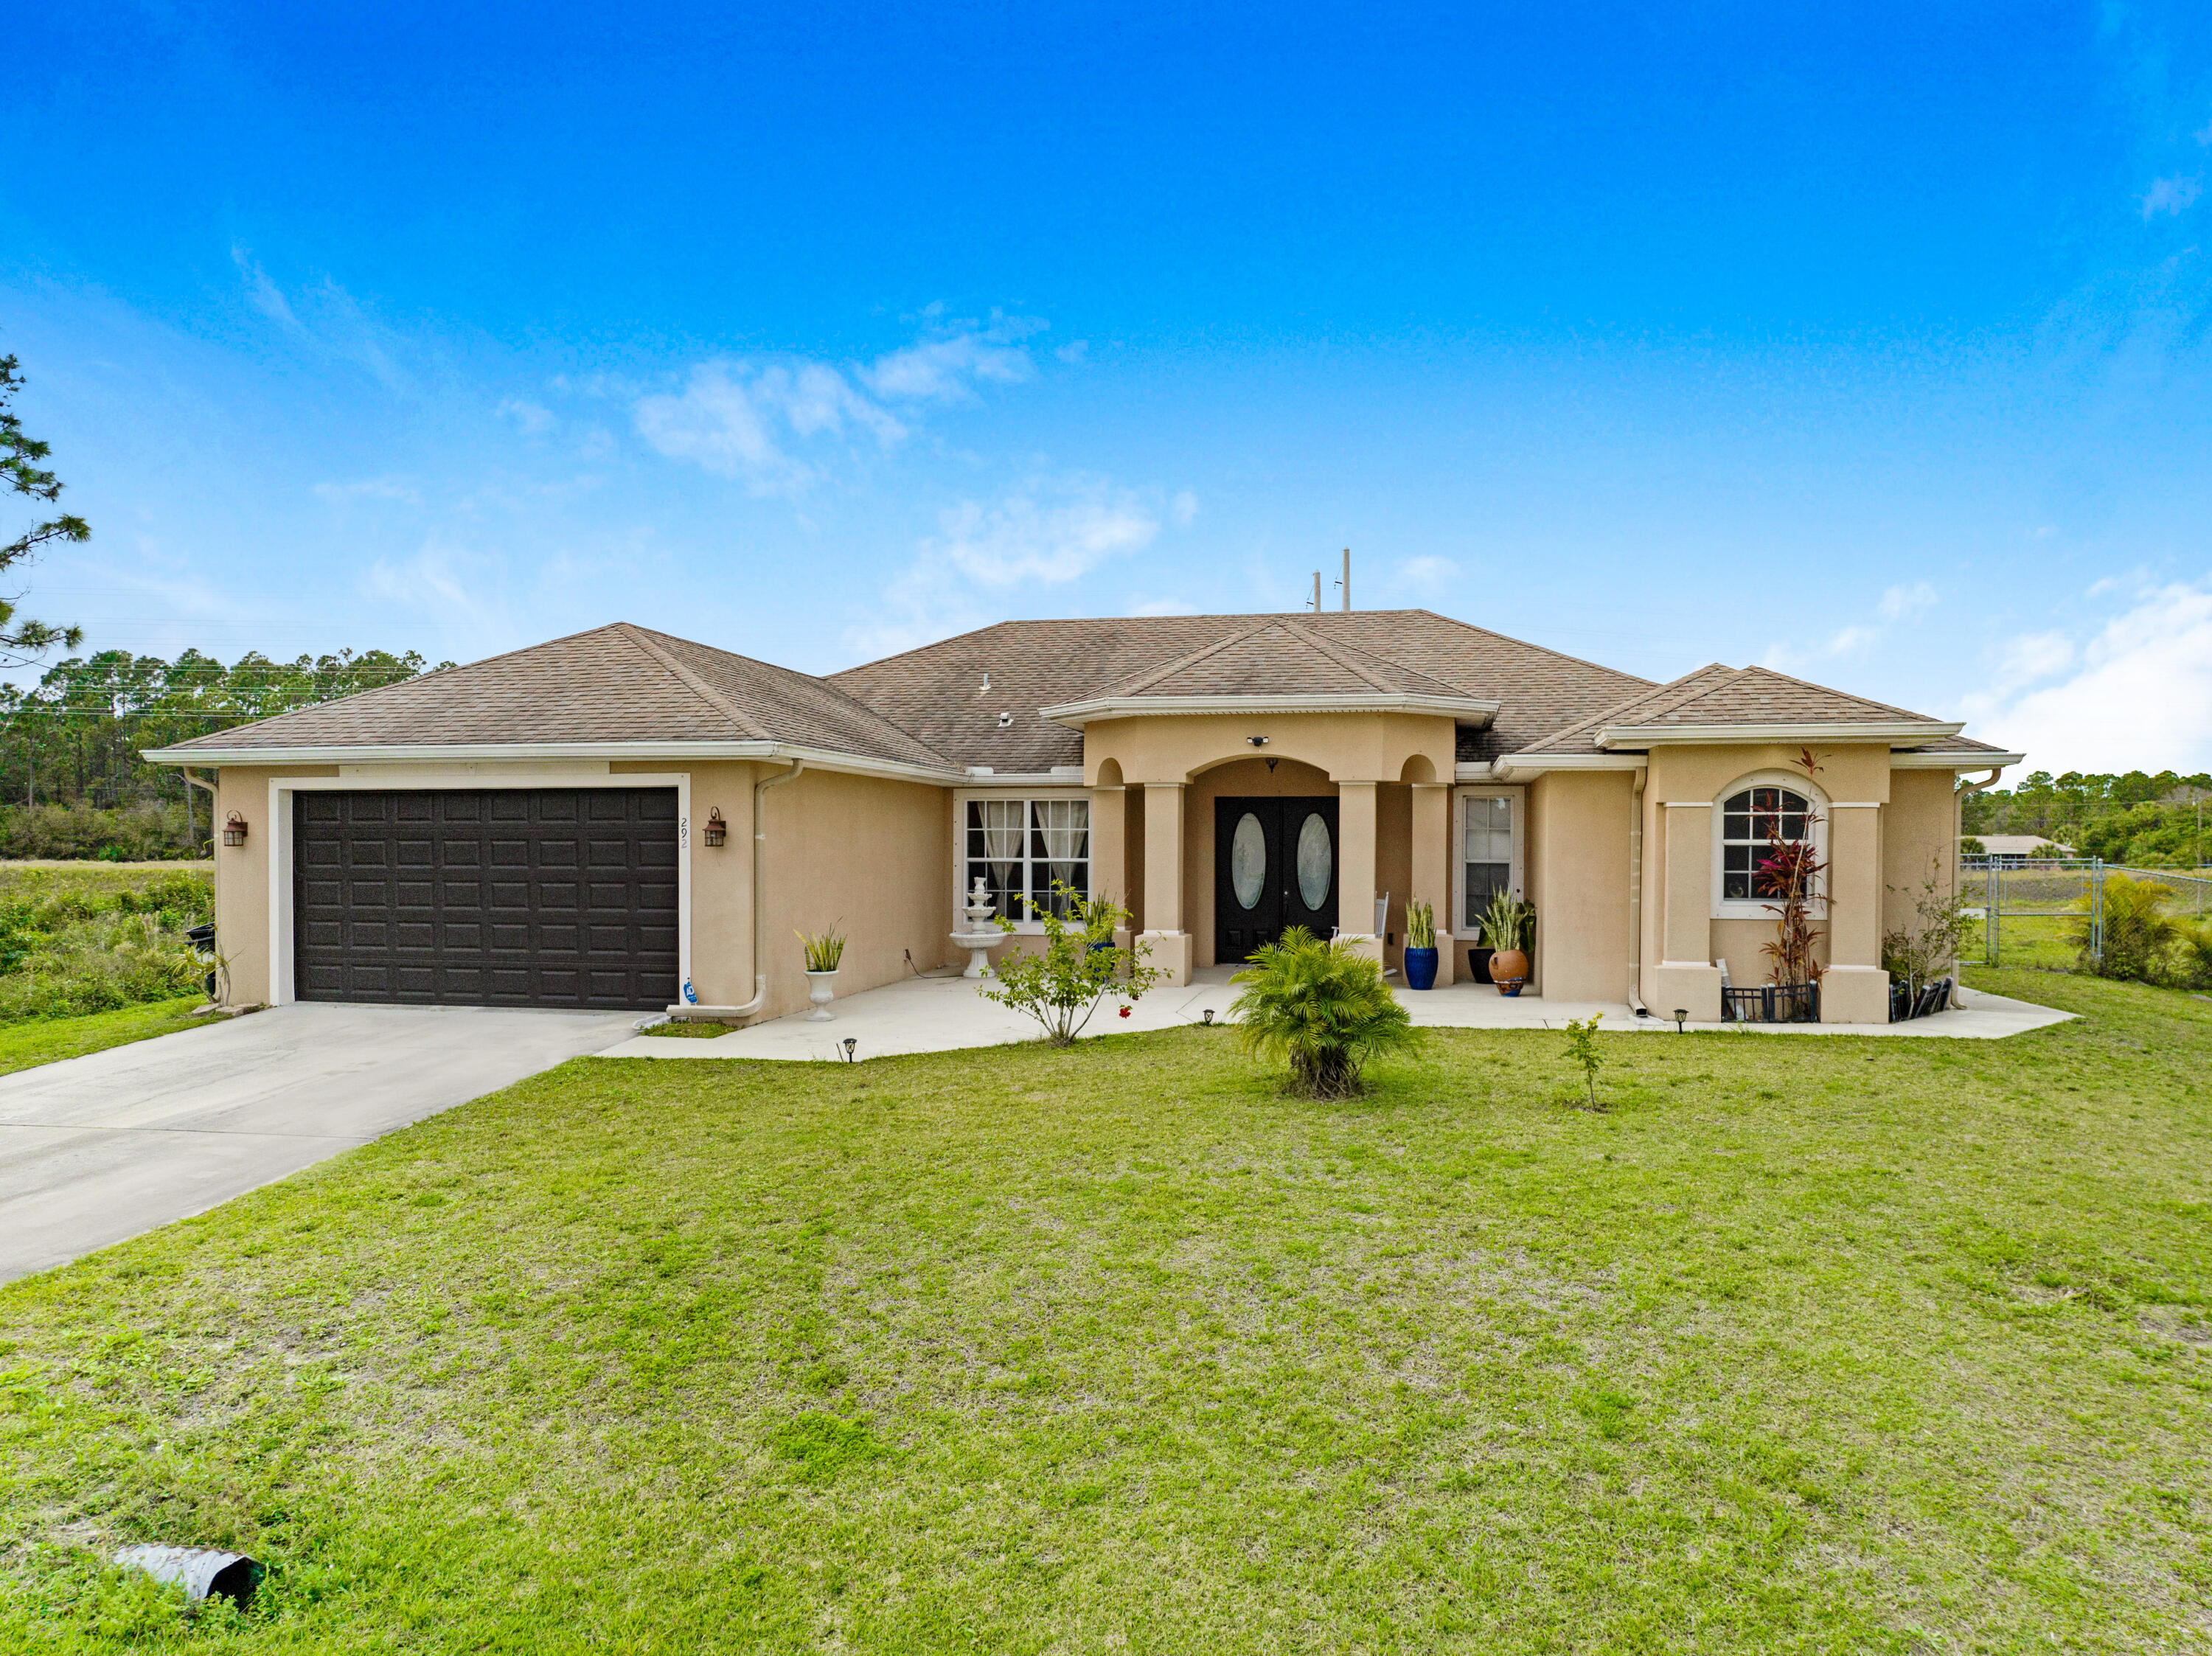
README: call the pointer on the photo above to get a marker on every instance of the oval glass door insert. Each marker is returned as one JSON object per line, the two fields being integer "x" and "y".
{"x": 1248, "y": 861}
{"x": 1316, "y": 860}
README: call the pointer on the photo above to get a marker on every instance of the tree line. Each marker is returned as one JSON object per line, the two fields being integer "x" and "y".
{"x": 71, "y": 781}
{"x": 2144, "y": 819}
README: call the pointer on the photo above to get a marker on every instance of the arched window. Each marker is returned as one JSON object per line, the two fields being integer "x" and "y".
{"x": 1751, "y": 820}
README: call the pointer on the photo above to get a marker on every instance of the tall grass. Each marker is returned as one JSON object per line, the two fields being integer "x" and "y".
{"x": 68, "y": 946}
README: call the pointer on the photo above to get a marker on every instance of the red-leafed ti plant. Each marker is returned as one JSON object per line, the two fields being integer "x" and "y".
{"x": 1790, "y": 875}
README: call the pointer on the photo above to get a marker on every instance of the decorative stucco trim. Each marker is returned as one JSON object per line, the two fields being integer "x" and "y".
{"x": 1641, "y": 735}
{"x": 1466, "y": 710}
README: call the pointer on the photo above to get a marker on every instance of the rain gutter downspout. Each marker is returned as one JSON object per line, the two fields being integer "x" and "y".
{"x": 682, "y": 1014}
{"x": 1636, "y": 890}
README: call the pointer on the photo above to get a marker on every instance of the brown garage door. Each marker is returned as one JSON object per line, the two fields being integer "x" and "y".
{"x": 508, "y": 897}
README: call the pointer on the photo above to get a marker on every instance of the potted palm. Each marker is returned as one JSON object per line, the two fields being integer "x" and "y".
{"x": 1507, "y": 928}
{"x": 823, "y": 955}
{"x": 1420, "y": 946}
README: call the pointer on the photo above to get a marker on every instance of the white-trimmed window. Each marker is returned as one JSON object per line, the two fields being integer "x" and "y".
{"x": 1489, "y": 850}
{"x": 1018, "y": 847}
{"x": 1748, "y": 820}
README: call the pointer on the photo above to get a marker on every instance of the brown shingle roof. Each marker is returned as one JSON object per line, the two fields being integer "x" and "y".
{"x": 1279, "y": 657}
{"x": 1715, "y": 694}
{"x": 615, "y": 683}
{"x": 936, "y": 691}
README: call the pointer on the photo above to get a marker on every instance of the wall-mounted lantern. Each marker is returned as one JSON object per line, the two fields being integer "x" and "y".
{"x": 717, "y": 830}
{"x": 234, "y": 831}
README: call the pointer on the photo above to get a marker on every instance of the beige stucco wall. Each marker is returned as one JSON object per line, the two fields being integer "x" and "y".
{"x": 1885, "y": 828}
{"x": 1921, "y": 834}
{"x": 1576, "y": 870}
{"x": 870, "y": 856}
{"x": 241, "y": 877}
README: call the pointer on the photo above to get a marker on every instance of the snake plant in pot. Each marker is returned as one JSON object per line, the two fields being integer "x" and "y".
{"x": 1507, "y": 927}
{"x": 1420, "y": 946}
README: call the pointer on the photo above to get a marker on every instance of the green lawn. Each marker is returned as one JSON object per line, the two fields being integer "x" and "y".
{"x": 1820, "y": 1343}
{"x": 29, "y": 1041}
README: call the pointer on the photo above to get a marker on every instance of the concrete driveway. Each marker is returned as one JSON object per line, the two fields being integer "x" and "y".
{"x": 94, "y": 1149}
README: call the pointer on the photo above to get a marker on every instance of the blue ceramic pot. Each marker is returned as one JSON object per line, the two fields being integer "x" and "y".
{"x": 1420, "y": 968}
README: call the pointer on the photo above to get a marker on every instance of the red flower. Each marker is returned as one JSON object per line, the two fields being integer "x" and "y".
{"x": 1125, "y": 1012}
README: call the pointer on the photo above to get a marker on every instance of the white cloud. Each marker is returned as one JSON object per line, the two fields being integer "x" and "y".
{"x": 1427, "y": 574}
{"x": 1050, "y": 531}
{"x": 368, "y": 489}
{"x": 735, "y": 420}
{"x": 427, "y": 581}
{"x": 744, "y": 418}
{"x": 2171, "y": 197}
{"x": 262, "y": 292}
{"x": 944, "y": 370}
{"x": 1904, "y": 602}
{"x": 534, "y": 419}
{"x": 2142, "y": 697}
{"x": 1075, "y": 353}
{"x": 2030, "y": 657}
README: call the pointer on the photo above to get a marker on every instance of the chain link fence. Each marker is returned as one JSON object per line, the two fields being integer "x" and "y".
{"x": 2050, "y": 911}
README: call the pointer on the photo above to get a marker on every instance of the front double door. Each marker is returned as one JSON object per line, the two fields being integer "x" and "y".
{"x": 1274, "y": 866}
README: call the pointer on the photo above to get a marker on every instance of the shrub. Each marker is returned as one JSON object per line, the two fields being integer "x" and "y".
{"x": 2138, "y": 931}
{"x": 1583, "y": 1049}
{"x": 151, "y": 831}
{"x": 1927, "y": 946}
{"x": 1062, "y": 986}
{"x": 1323, "y": 1007}
{"x": 2195, "y": 952}
{"x": 67, "y": 946}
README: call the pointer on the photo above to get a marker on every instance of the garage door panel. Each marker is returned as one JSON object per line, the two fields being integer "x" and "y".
{"x": 473, "y": 896}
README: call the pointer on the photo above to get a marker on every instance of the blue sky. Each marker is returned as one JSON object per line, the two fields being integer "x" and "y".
{"x": 1873, "y": 348}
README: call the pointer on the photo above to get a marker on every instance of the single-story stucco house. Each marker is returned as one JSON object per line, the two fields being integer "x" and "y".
{"x": 625, "y": 819}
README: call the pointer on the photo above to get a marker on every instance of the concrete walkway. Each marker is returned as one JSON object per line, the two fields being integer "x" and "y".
{"x": 944, "y": 1013}
{"x": 96, "y": 1149}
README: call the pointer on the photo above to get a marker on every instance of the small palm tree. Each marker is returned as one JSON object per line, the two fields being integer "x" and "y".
{"x": 1323, "y": 1007}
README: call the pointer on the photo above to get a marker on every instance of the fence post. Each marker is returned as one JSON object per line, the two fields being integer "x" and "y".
{"x": 2097, "y": 910}
{"x": 1993, "y": 885}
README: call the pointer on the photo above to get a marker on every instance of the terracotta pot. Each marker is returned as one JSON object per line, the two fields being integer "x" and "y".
{"x": 1509, "y": 970}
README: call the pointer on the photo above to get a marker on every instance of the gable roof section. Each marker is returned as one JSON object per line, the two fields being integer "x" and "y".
{"x": 939, "y": 691}
{"x": 616, "y": 686}
{"x": 1282, "y": 667}
{"x": 1717, "y": 698}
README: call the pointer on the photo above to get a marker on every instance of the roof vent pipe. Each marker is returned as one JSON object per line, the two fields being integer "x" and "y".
{"x": 682, "y": 1013}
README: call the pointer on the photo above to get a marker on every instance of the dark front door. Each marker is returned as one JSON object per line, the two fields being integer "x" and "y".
{"x": 513, "y": 897}
{"x": 1274, "y": 866}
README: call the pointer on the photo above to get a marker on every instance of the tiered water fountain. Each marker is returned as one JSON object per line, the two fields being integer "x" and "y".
{"x": 982, "y": 934}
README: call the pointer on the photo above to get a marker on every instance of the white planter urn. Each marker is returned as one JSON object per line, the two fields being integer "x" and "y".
{"x": 982, "y": 934}
{"x": 820, "y": 989}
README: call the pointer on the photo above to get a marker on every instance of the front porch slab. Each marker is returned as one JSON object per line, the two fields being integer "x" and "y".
{"x": 945, "y": 1014}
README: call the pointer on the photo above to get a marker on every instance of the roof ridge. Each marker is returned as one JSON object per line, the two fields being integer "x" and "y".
{"x": 647, "y": 642}
{"x": 1313, "y": 640}
{"x": 1145, "y": 681}
{"x": 1830, "y": 690}
{"x": 1603, "y": 714}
